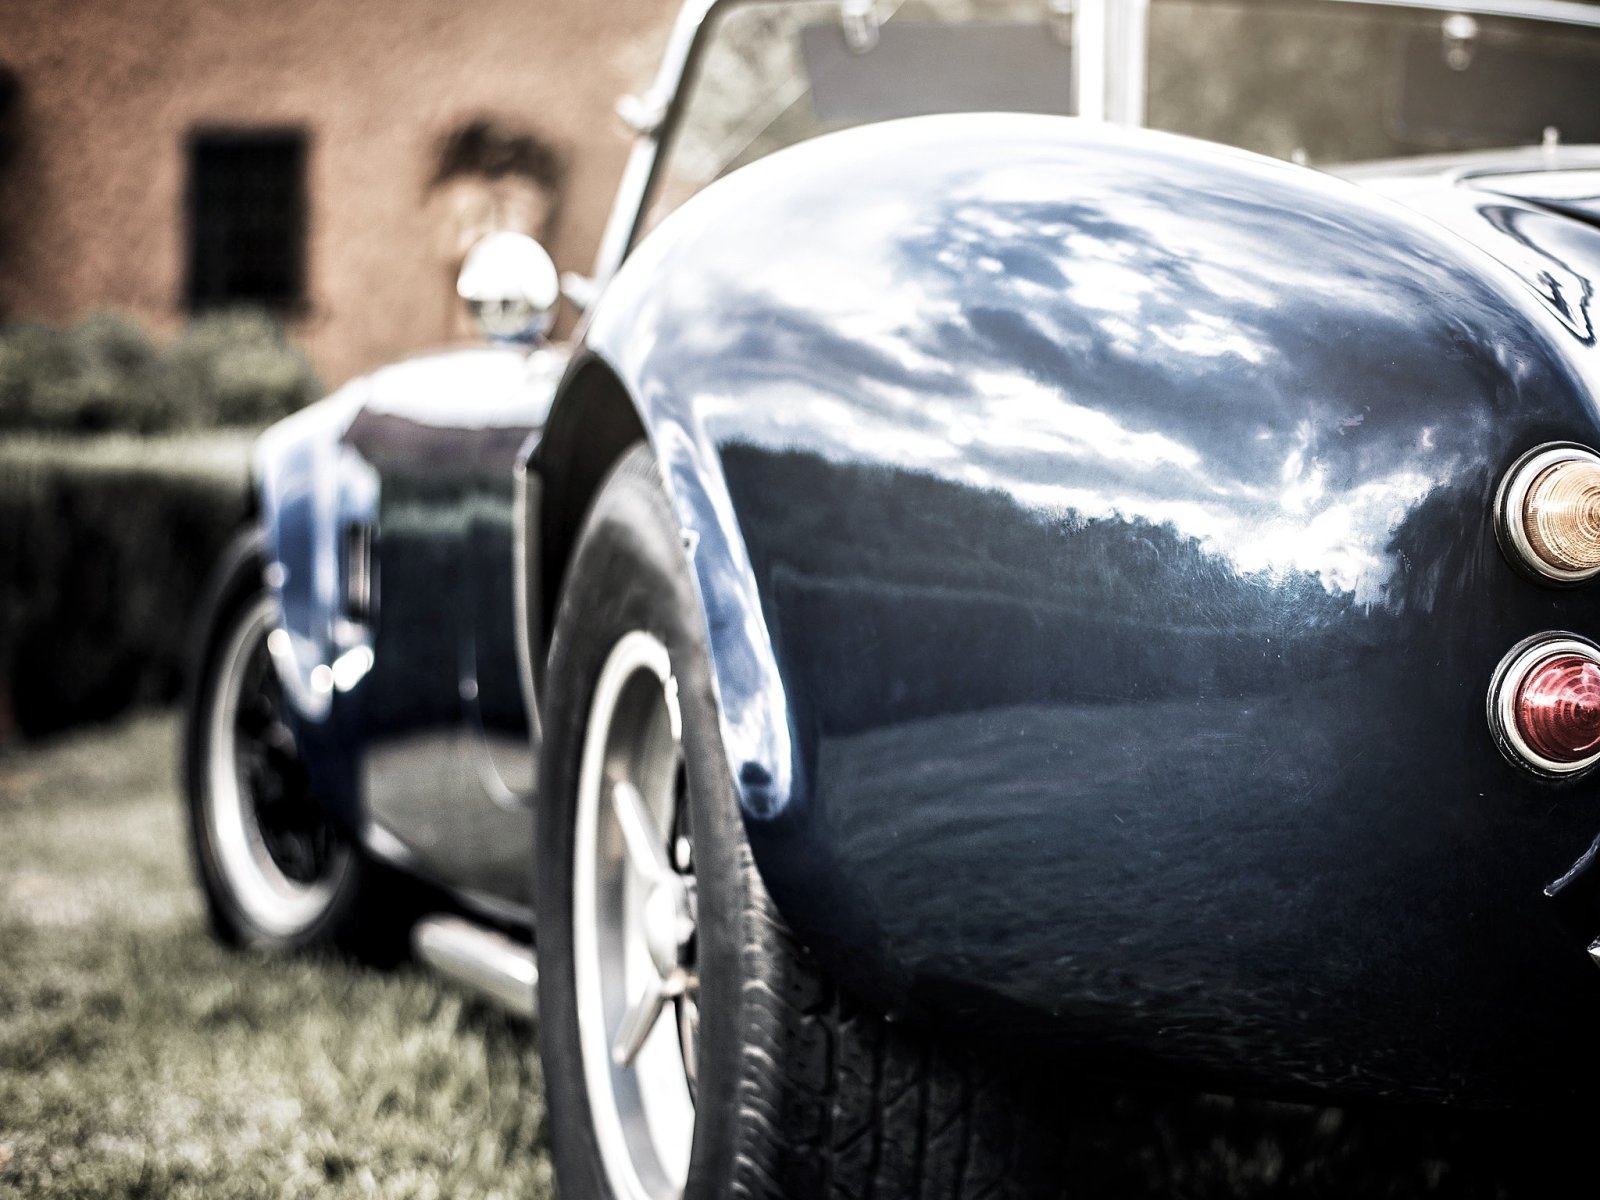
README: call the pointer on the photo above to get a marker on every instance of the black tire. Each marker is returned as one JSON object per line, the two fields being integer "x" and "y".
{"x": 801, "y": 1091}
{"x": 367, "y": 909}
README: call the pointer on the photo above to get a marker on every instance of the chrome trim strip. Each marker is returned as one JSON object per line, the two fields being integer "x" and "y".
{"x": 527, "y": 488}
{"x": 1563, "y": 12}
{"x": 1127, "y": 41}
{"x": 627, "y": 209}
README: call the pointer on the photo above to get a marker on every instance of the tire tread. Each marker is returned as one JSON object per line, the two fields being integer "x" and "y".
{"x": 841, "y": 1102}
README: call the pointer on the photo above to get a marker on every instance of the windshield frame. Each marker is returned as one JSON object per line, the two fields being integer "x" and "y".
{"x": 1108, "y": 61}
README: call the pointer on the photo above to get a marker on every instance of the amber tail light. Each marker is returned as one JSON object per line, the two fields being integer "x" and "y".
{"x": 1544, "y": 704}
{"x": 1548, "y": 513}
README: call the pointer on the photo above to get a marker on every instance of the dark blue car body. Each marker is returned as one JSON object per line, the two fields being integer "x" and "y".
{"x": 1094, "y": 534}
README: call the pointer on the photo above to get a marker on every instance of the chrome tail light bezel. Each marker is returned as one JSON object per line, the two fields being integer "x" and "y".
{"x": 1514, "y": 669}
{"x": 1511, "y": 511}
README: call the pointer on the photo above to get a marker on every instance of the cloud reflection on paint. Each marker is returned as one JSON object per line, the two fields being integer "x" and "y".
{"x": 1277, "y": 366}
{"x": 1138, "y": 337}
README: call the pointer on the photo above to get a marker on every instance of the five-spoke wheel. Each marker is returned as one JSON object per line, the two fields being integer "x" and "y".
{"x": 634, "y": 909}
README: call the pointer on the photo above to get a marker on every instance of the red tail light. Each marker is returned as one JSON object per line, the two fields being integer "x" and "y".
{"x": 1558, "y": 708}
{"x": 1544, "y": 704}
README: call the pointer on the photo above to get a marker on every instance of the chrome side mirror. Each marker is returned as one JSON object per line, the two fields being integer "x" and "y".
{"x": 510, "y": 287}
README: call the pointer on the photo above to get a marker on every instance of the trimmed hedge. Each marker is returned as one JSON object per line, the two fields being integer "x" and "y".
{"x": 105, "y": 546}
{"x": 225, "y": 369}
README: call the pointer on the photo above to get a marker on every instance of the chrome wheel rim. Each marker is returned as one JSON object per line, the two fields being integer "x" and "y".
{"x": 634, "y": 915}
{"x": 279, "y": 861}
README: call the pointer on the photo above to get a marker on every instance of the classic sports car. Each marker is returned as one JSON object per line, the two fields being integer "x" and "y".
{"x": 994, "y": 591}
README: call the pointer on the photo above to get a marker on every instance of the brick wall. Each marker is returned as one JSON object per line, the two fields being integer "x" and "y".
{"x": 92, "y": 203}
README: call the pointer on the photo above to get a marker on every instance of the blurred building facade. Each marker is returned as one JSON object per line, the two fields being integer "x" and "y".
{"x": 327, "y": 159}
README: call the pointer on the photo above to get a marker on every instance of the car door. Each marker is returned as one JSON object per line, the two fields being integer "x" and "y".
{"x": 442, "y": 435}
{"x": 499, "y": 695}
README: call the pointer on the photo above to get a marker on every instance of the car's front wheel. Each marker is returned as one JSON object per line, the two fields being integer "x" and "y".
{"x": 690, "y": 1045}
{"x": 275, "y": 873}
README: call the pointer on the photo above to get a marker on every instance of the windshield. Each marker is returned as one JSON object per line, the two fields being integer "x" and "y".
{"x": 1310, "y": 80}
{"x": 773, "y": 74}
{"x": 1335, "y": 83}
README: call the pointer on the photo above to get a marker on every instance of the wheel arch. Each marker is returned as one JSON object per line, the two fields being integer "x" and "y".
{"x": 592, "y": 422}
{"x": 307, "y": 486}
{"x": 596, "y": 416}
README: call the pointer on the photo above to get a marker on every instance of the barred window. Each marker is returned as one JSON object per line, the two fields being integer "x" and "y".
{"x": 247, "y": 218}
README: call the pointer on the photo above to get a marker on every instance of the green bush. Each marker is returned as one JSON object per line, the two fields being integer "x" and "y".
{"x": 103, "y": 374}
{"x": 237, "y": 368}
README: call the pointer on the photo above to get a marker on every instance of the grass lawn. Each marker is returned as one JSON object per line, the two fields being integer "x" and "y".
{"x": 138, "y": 1058}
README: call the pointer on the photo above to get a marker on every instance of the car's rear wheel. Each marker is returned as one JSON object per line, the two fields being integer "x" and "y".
{"x": 690, "y": 1045}
{"x": 275, "y": 873}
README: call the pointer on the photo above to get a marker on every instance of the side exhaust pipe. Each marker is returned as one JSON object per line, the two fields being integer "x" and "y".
{"x": 484, "y": 960}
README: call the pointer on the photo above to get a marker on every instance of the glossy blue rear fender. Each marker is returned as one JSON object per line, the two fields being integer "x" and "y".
{"x": 1094, "y": 535}
{"x": 311, "y": 486}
